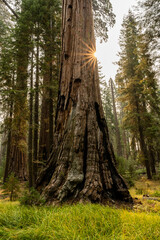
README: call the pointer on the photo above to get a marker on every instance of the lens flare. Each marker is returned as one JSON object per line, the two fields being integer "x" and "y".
{"x": 89, "y": 54}
{"x": 95, "y": 54}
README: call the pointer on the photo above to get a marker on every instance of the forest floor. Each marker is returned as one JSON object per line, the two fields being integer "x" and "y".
{"x": 86, "y": 222}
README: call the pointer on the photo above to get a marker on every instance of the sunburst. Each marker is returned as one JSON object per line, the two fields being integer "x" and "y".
{"x": 89, "y": 54}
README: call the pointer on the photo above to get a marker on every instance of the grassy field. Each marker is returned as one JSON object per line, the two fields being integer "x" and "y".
{"x": 81, "y": 222}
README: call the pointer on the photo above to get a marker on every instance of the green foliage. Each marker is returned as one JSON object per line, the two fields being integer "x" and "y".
{"x": 126, "y": 168}
{"x": 103, "y": 17}
{"x": 12, "y": 187}
{"x": 138, "y": 90}
{"x": 122, "y": 165}
{"x": 32, "y": 197}
{"x": 156, "y": 177}
{"x": 83, "y": 222}
{"x": 139, "y": 191}
{"x": 156, "y": 194}
{"x": 148, "y": 11}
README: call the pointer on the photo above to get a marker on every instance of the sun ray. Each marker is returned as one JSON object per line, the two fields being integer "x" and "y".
{"x": 87, "y": 62}
{"x": 87, "y": 45}
{"x": 88, "y": 51}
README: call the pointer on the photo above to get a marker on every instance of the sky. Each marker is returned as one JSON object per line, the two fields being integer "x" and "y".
{"x": 107, "y": 52}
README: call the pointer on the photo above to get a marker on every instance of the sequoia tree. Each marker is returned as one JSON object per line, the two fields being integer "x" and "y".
{"x": 81, "y": 165}
{"x": 18, "y": 148}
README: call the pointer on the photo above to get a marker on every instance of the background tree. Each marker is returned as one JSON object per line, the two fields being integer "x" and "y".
{"x": 18, "y": 159}
{"x": 7, "y": 80}
{"x": 116, "y": 123}
{"x": 50, "y": 23}
{"x": 134, "y": 75}
{"x": 150, "y": 22}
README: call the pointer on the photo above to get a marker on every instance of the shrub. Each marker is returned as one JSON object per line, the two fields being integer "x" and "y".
{"x": 11, "y": 187}
{"x": 156, "y": 194}
{"x": 121, "y": 162}
{"x": 129, "y": 181}
{"x": 139, "y": 191}
{"x": 32, "y": 197}
{"x": 156, "y": 177}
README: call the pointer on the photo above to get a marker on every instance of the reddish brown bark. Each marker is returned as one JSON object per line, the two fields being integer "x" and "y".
{"x": 81, "y": 166}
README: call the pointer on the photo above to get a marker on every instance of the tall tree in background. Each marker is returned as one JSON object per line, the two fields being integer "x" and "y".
{"x": 149, "y": 19}
{"x": 108, "y": 111}
{"x": 30, "y": 132}
{"x": 18, "y": 154}
{"x": 81, "y": 166}
{"x": 137, "y": 86}
{"x": 7, "y": 79}
{"x": 117, "y": 130}
{"x": 51, "y": 45}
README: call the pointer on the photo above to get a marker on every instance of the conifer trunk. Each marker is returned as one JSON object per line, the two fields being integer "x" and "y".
{"x": 118, "y": 136}
{"x": 46, "y": 128}
{"x": 142, "y": 143}
{"x": 17, "y": 162}
{"x": 152, "y": 160}
{"x": 81, "y": 165}
{"x": 36, "y": 112}
{"x": 9, "y": 139}
{"x": 30, "y": 136}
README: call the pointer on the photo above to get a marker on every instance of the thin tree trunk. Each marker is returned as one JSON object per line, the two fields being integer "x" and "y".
{"x": 81, "y": 165}
{"x": 153, "y": 160}
{"x": 9, "y": 139}
{"x": 51, "y": 123}
{"x": 48, "y": 111}
{"x": 143, "y": 144}
{"x": 18, "y": 159}
{"x": 133, "y": 148}
{"x": 44, "y": 146}
{"x": 36, "y": 113}
{"x": 30, "y": 136}
{"x": 118, "y": 136}
{"x": 11, "y": 9}
{"x": 125, "y": 138}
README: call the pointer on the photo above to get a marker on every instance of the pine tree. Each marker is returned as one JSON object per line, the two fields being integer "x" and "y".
{"x": 137, "y": 86}
{"x": 116, "y": 123}
{"x": 51, "y": 44}
{"x": 18, "y": 149}
{"x": 150, "y": 22}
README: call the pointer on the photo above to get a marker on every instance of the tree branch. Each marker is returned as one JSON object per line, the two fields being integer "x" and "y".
{"x": 11, "y": 9}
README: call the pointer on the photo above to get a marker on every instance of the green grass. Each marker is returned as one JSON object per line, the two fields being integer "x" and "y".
{"x": 78, "y": 222}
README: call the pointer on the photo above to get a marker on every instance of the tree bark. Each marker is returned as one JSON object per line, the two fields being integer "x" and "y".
{"x": 118, "y": 136}
{"x": 30, "y": 136}
{"x": 142, "y": 142}
{"x": 18, "y": 157}
{"x": 152, "y": 159}
{"x": 44, "y": 146}
{"x": 9, "y": 139}
{"x": 81, "y": 165}
{"x": 36, "y": 112}
{"x": 46, "y": 127}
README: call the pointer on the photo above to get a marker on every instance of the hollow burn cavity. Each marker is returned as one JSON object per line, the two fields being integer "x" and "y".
{"x": 77, "y": 80}
{"x": 66, "y": 56}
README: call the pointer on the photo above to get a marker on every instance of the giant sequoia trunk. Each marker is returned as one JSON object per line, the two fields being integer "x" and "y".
{"x": 81, "y": 166}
